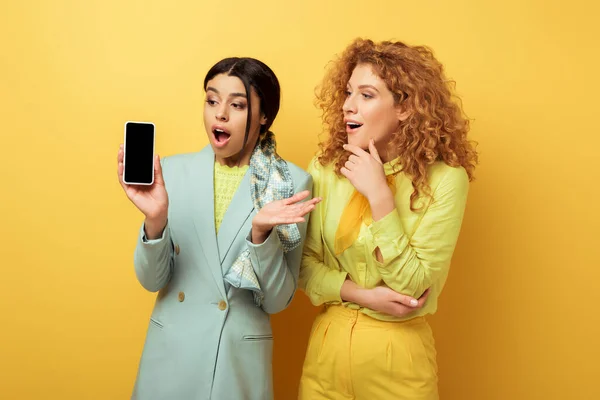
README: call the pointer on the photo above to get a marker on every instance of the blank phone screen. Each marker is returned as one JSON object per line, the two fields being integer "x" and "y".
{"x": 139, "y": 152}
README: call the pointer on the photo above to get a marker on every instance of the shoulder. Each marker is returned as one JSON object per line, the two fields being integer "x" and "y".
{"x": 445, "y": 178}
{"x": 182, "y": 160}
{"x": 318, "y": 170}
{"x": 299, "y": 176}
{"x": 442, "y": 171}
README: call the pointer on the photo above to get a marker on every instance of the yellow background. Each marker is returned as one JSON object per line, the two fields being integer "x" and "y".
{"x": 519, "y": 318}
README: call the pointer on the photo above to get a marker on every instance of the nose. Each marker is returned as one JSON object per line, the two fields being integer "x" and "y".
{"x": 222, "y": 114}
{"x": 349, "y": 106}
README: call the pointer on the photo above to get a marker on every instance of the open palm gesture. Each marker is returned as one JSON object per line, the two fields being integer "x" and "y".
{"x": 281, "y": 212}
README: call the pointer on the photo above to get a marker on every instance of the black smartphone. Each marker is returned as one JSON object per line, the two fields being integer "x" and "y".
{"x": 138, "y": 148}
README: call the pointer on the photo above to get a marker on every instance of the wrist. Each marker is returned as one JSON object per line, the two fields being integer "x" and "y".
{"x": 380, "y": 195}
{"x": 381, "y": 203}
{"x": 157, "y": 215}
{"x": 259, "y": 233}
{"x": 154, "y": 227}
{"x": 353, "y": 293}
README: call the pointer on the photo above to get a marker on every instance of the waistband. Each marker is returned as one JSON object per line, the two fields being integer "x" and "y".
{"x": 338, "y": 312}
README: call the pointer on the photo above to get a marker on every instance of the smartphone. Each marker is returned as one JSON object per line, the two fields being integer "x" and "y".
{"x": 138, "y": 148}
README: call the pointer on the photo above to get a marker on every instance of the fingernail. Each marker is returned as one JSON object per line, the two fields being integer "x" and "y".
{"x": 414, "y": 302}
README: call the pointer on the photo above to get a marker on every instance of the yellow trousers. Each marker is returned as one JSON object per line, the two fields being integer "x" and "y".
{"x": 353, "y": 356}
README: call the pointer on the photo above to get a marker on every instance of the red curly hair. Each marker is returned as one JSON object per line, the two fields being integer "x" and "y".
{"x": 436, "y": 129}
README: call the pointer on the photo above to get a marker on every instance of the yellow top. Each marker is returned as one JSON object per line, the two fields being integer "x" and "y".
{"x": 416, "y": 246}
{"x": 227, "y": 180}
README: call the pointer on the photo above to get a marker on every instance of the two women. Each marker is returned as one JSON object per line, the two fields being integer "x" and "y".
{"x": 224, "y": 246}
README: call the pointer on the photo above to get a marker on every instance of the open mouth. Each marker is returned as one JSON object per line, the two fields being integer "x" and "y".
{"x": 352, "y": 126}
{"x": 221, "y": 137}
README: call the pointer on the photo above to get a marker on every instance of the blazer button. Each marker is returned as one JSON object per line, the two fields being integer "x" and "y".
{"x": 177, "y": 249}
{"x": 222, "y": 305}
{"x": 181, "y": 296}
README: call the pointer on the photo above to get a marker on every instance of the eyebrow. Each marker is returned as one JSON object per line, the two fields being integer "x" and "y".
{"x": 212, "y": 89}
{"x": 368, "y": 87}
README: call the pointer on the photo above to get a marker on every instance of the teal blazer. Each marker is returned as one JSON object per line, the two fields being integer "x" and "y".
{"x": 205, "y": 338}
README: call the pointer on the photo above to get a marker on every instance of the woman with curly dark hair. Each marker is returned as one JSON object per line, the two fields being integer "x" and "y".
{"x": 393, "y": 173}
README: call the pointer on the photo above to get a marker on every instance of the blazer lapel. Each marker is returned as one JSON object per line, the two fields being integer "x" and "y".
{"x": 237, "y": 213}
{"x": 201, "y": 197}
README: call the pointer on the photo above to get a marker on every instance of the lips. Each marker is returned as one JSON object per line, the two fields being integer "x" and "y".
{"x": 221, "y": 135}
{"x": 352, "y": 126}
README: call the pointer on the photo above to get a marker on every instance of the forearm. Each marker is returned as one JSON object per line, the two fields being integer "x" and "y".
{"x": 153, "y": 260}
{"x": 351, "y": 292}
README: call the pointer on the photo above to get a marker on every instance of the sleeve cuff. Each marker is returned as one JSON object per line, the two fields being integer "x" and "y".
{"x": 147, "y": 241}
{"x": 386, "y": 234}
{"x": 271, "y": 240}
{"x": 331, "y": 286}
{"x": 263, "y": 254}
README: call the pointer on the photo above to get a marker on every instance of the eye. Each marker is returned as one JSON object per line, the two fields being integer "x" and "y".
{"x": 348, "y": 93}
{"x": 211, "y": 102}
{"x": 238, "y": 106}
{"x": 367, "y": 96}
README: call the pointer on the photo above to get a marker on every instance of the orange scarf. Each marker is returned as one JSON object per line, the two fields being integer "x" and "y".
{"x": 358, "y": 211}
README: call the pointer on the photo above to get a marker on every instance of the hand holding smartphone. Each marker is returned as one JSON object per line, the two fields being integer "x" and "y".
{"x": 140, "y": 176}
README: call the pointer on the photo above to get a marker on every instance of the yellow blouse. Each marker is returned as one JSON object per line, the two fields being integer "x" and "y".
{"x": 416, "y": 246}
{"x": 227, "y": 180}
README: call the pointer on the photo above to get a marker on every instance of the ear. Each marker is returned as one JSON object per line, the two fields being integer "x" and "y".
{"x": 402, "y": 113}
{"x": 263, "y": 119}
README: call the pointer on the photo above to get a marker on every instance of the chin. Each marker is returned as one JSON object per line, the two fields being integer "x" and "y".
{"x": 222, "y": 153}
{"x": 356, "y": 141}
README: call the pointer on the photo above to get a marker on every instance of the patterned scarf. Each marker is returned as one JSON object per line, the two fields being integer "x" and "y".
{"x": 270, "y": 180}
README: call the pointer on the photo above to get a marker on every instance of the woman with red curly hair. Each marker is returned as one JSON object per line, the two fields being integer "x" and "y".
{"x": 393, "y": 174}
